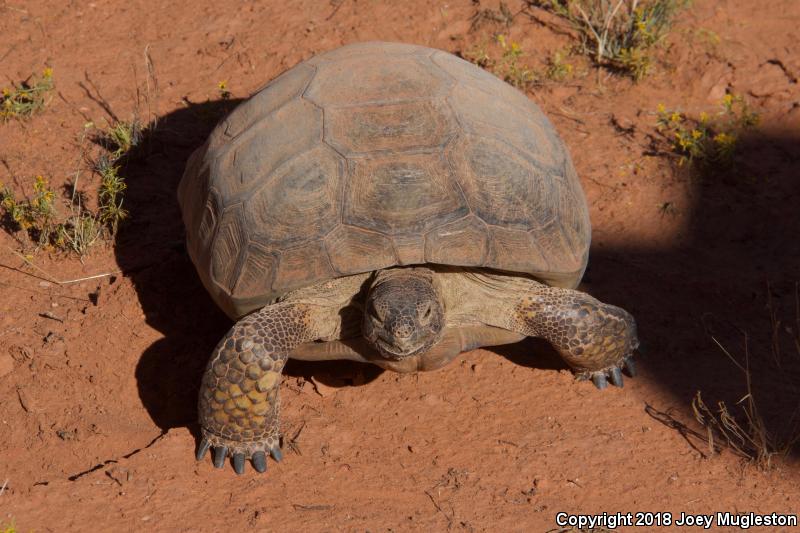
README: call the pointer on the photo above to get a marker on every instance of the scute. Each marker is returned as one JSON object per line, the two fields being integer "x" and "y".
{"x": 201, "y": 237}
{"x": 258, "y": 269}
{"x": 228, "y": 243}
{"x": 499, "y": 120}
{"x": 502, "y": 187}
{"x": 271, "y": 97}
{"x": 409, "y": 248}
{"x": 363, "y": 80}
{"x": 395, "y": 127}
{"x": 468, "y": 75}
{"x": 406, "y": 194}
{"x": 375, "y": 155}
{"x": 515, "y": 250}
{"x": 463, "y": 242}
{"x": 195, "y": 196}
{"x": 306, "y": 188}
{"x": 258, "y": 151}
{"x": 354, "y": 250}
{"x": 302, "y": 266}
{"x": 573, "y": 212}
{"x": 553, "y": 244}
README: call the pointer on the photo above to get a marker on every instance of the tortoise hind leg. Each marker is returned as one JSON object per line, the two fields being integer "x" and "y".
{"x": 239, "y": 403}
{"x": 596, "y": 339}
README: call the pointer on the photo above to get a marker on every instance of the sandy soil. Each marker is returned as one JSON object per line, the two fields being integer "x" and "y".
{"x": 98, "y": 379}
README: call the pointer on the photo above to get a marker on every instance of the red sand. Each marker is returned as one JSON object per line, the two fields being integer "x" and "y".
{"x": 98, "y": 379}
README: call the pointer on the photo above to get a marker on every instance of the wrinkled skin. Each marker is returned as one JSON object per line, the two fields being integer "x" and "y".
{"x": 403, "y": 315}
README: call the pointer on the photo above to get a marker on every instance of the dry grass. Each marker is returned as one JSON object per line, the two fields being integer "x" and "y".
{"x": 742, "y": 429}
{"x": 618, "y": 34}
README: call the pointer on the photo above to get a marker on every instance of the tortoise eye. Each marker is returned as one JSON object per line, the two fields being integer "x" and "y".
{"x": 374, "y": 311}
{"x": 425, "y": 314}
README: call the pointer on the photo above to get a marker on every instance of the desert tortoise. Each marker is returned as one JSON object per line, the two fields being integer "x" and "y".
{"x": 397, "y": 197}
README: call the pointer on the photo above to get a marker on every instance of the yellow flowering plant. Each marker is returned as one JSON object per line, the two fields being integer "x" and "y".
{"x": 710, "y": 139}
{"x": 28, "y": 98}
{"x": 34, "y": 215}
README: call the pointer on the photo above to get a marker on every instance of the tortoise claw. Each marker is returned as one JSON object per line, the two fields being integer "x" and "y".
{"x": 219, "y": 456}
{"x": 599, "y": 380}
{"x": 260, "y": 462}
{"x": 616, "y": 377}
{"x": 630, "y": 366}
{"x": 276, "y": 454}
{"x": 202, "y": 449}
{"x": 238, "y": 463}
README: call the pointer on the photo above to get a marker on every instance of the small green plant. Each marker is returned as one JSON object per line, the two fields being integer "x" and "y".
{"x": 557, "y": 68}
{"x": 479, "y": 55}
{"x": 619, "y": 34}
{"x": 82, "y": 228}
{"x": 707, "y": 139}
{"x": 508, "y": 66}
{"x": 35, "y": 215}
{"x": 110, "y": 196}
{"x": 28, "y": 98}
{"x": 224, "y": 93}
{"x": 79, "y": 233}
{"x": 8, "y": 528}
{"x": 122, "y": 136}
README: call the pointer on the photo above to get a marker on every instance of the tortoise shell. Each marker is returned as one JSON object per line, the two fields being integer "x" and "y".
{"x": 375, "y": 155}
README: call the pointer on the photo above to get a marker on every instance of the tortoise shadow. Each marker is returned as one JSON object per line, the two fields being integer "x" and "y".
{"x": 150, "y": 249}
{"x": 712, "y": 283}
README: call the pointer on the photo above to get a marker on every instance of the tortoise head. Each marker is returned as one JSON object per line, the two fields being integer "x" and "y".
{"x": 403, "y": 315}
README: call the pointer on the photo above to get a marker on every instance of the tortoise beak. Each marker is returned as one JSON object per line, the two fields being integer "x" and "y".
{"x": 399, "y": 350}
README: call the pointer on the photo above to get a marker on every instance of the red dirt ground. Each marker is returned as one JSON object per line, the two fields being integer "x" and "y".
{"x": 98, "y": 379}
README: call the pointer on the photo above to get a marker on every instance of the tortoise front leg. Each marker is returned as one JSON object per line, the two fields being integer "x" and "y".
{"x": 596, "y": 339}
{"x": 239, "y": 402}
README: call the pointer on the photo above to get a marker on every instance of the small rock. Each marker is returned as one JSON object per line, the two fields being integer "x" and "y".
{"x": 25, "y": 401}
{"x": 66, "y": 434}
{"x": 719, "y": 90}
